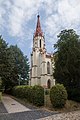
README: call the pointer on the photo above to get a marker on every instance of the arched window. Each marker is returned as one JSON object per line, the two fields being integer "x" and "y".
{"x": 48, "y": 67}
{"x": 40, "y": 43}
{"x": 49, "y": 84}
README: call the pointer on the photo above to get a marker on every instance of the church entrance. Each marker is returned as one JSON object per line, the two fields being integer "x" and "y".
{"x": 49, "y": 84}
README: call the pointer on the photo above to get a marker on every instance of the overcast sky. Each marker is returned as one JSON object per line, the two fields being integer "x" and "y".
{"x": 18, "y": 20}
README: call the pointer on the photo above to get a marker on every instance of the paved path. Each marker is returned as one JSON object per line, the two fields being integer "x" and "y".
{"x": 16, "y": 111}
{"x": 12, "y": 106}
{"x": 13, "y": 110}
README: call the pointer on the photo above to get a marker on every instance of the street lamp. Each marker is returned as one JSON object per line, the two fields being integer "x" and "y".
{"x": 19, "y": 78}
{"x": 45, "y": 88}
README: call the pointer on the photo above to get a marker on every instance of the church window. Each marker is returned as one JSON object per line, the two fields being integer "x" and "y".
{"x": 48, "y": 67}
{"x": 40, "y": 43}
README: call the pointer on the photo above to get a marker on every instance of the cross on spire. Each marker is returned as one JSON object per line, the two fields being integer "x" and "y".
{"x": 38, "y": 31}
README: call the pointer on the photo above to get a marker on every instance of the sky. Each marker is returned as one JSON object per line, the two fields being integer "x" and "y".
{"x": 18, "y": 20}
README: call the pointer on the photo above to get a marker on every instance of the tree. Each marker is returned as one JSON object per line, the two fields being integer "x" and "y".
{"x": 12, "y": 64}
{"x": 4, "y": 66}
{"x": 67, "y": 64}
{"x": 19, "y": 64}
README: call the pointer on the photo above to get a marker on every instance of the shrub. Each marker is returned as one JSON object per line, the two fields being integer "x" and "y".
{"x": 38, "y": 95}
{"x": 33, "y": 94}
{"x": 28, "y": 94}
{"x": 58, "y": 95}
{"x": 47, "y": 91}
{"x": 19, "y": 91}
{"x": 74, "y": 94}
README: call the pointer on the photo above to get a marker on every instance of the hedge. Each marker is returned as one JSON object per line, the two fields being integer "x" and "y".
{"x": 58, "y": 95}
{"x": 33, "y": 94}
{"x": 38, "y": 95}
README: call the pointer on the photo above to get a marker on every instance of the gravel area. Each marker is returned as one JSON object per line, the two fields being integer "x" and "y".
{"x": 75, "y": 115}
{"x": 28, "y": 115}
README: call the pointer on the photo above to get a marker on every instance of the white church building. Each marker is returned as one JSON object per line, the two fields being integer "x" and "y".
{"x": 41, "y": 65}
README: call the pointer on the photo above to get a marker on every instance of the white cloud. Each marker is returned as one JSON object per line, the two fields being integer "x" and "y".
{"x": 57, "y": 12}
{"x": 17, "y": 12}
{"x": 67, "y": 15}
{"x": 16, "y": 15}
{"x": 21, "y": 12}
{"x": 16, "y": 19}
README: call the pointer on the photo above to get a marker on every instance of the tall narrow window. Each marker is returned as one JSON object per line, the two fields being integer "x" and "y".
{"x": 48, "y": 67}
{"x": 40, "y": 43}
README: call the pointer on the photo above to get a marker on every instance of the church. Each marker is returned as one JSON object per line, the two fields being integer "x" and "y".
{"x": 41, "y": 65}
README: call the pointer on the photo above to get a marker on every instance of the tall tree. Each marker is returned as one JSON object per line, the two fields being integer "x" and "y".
{"x": 12, "y": 65}
{"x": 4, "y": 66}
{"x": 19, "y": 63}
{"x": 67, "y": 64}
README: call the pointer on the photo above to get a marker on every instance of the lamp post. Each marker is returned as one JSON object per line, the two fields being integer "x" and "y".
{"x": 45, "y": 87}
{"x": 19, "y": 78}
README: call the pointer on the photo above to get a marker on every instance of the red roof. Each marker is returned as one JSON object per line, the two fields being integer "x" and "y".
{"x": 38, "y": 31}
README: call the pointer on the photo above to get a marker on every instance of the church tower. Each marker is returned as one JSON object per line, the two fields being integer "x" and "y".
{"x": 41, "y": 66}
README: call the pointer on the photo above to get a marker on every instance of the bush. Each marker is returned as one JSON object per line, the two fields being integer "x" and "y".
{"x": 29, "y": 94}
{"x": 47, "y": 91}
{"x": 74, "y": 94}
{"x": 58, "y": 96}
{"x": 19, "y": 91}
{"x": 38, "y": 95}
{"x": 33, "y": 94}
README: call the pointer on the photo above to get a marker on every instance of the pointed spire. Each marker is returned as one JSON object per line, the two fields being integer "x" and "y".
{"x": 38, "y": 31}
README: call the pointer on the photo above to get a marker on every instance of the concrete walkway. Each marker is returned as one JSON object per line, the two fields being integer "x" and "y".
{"x": 12, "y": 106}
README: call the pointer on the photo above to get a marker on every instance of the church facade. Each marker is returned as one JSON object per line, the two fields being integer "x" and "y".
{"x": 41, "y": 65}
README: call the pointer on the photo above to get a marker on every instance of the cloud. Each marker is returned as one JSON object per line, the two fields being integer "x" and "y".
{"x": 17, "y": 13}
{"x": 64, "y": 14}
{"x": 17, "y": 18}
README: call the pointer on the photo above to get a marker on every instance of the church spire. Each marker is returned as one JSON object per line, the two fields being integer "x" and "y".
{"x": 38, "y": 31}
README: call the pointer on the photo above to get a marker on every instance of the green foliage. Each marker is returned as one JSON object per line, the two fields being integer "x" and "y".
{"x": 74, "y": 94}
{"x": 58, "y": 95}
{"x": 4, "y": 64}
{"x": 67, "y": 62}
{"x": 33, "y": 94}
{"x": 19, "y": 91}
{"x": 38, "y": 96}
{"x": 47, "y": 91}
{"x": 19, "y": 64}
{"x": 12, "y": 64}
